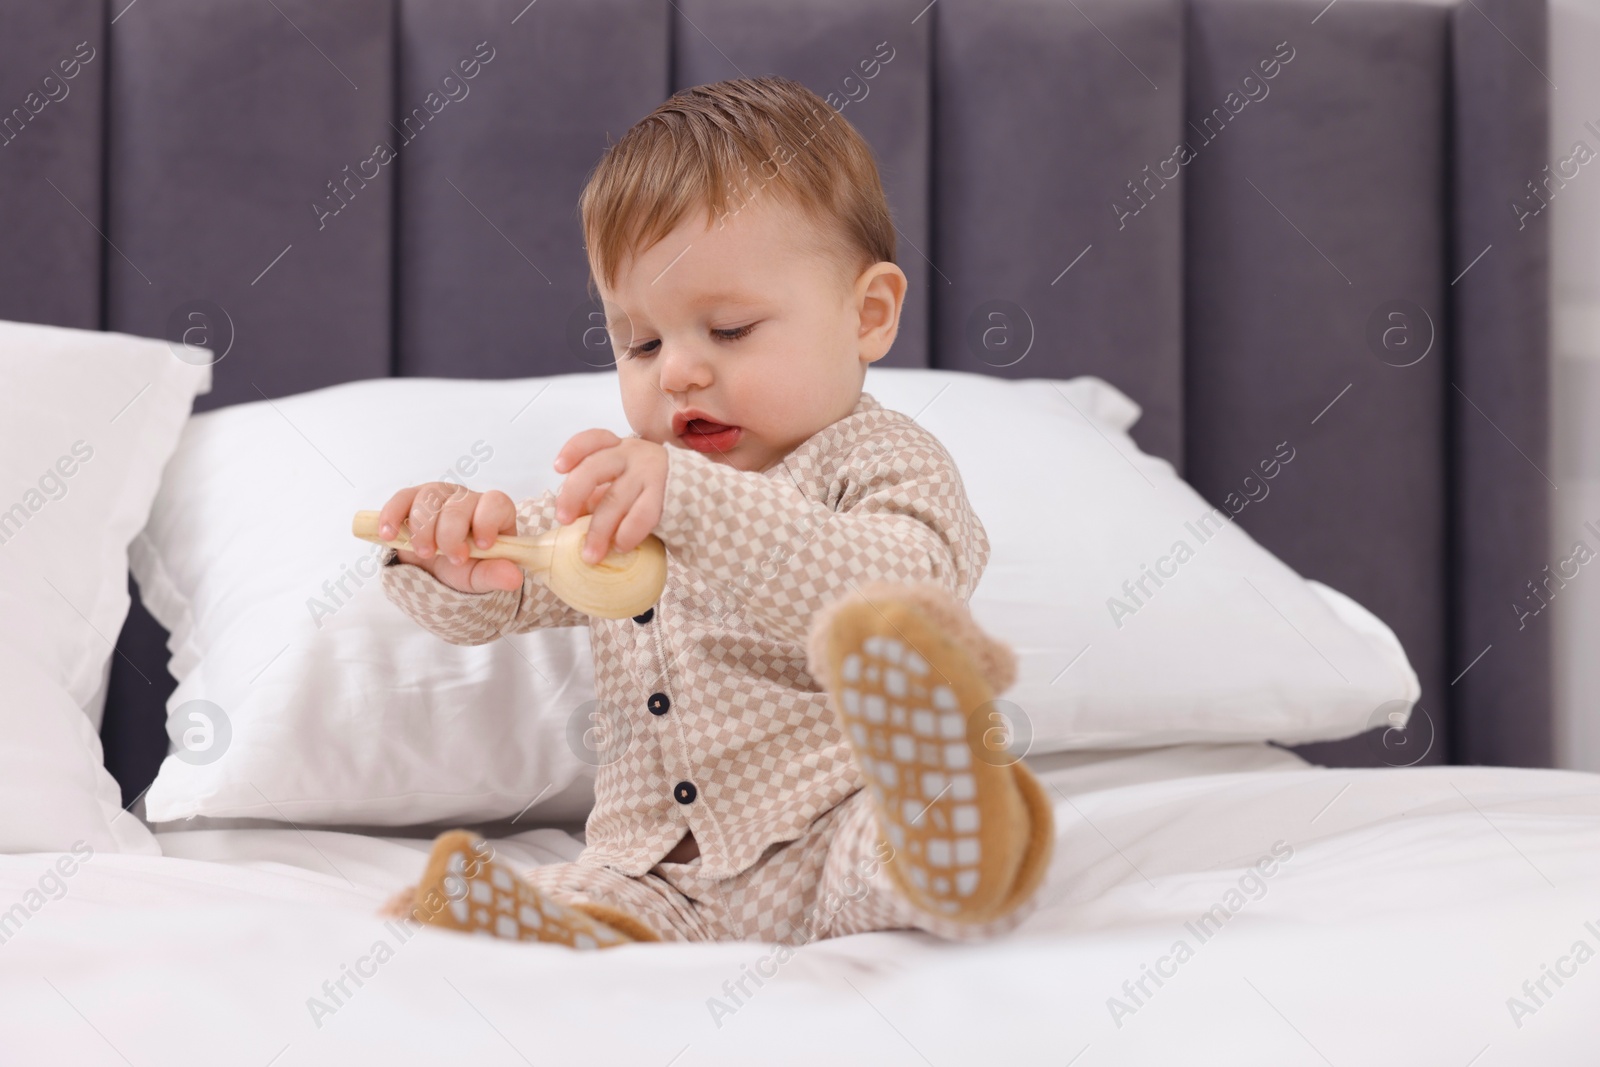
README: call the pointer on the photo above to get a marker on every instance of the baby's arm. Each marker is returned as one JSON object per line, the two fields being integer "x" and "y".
{"x": 896, "y": 510}
{"x": 476, "y": 618}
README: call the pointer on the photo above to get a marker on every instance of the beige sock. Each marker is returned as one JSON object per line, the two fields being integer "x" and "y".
{"x": 909, "y": 673}
{"x": 464, "y": 888}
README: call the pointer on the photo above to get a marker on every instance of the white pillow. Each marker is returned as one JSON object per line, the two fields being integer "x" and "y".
{"x": 1232, "y": 646}
{"x": 54, "y": 788}
{"x": 362, "y": 717}
{"x": 87, "y": 420}
{"x": 327, "y": 704}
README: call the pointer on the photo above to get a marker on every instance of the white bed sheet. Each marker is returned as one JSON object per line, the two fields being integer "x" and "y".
{"x": 1414, "y": 905}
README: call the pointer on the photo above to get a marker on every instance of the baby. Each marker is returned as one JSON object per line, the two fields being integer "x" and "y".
{"x": 798, "y": 727}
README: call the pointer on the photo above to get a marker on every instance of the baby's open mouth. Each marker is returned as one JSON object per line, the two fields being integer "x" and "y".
{"x": 703, "y": 435}
{"x": 705, "y": 426}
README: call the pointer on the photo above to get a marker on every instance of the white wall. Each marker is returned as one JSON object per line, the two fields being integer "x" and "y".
{"x": 1574, "y": 219}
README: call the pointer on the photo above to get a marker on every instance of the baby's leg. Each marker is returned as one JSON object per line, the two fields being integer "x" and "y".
{"x": 859, "y": 891}
{"x": 912, "y": 679}
{"x": 464, "y": 888}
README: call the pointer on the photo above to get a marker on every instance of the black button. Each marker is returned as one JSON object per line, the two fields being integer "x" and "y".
{"x": 649, "y": 613}
{"x": 658, "y": 703}
{"x": 684, "y": 792}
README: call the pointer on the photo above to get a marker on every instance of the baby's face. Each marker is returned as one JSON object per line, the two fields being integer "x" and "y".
{"x": 746, "y": 326}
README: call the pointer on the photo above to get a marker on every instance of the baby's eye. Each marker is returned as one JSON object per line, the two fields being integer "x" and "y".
{"x": 735, "y": 334}
{"x": 645, "y": 349}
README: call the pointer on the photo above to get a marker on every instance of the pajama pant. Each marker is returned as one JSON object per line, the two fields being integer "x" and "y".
{"x": 827, "y": 883}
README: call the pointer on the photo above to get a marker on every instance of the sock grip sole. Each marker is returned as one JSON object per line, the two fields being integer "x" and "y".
{"x": 969, "y": 824}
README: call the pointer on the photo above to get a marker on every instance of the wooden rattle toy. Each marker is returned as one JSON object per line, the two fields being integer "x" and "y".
{"x": 621, "y": 585}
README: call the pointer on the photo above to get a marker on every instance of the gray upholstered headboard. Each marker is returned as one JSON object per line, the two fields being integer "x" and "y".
{"x": 1329, "y": 259}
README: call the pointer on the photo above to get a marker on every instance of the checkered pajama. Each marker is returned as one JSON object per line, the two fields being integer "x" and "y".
{"x": 752, "y": 557}
{"x": 829, "y": 882}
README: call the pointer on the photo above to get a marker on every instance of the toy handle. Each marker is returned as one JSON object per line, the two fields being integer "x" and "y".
{"x": 530, "y": 553}
{"x": 621, "y": 585}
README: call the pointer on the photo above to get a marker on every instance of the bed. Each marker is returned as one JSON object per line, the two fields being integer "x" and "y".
{"x": 1426, "y": 903}
{"x": 1412, "y": 907}
{"x": 1406, "y": 914}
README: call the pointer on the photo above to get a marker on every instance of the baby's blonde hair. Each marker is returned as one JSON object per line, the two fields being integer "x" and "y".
{"x": 718, "y": 147}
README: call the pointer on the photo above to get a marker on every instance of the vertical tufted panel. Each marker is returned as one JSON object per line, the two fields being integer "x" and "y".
{"x": 1044, "y": 113}
{"x": 871, "y": 61}
{"x": 1313, "y": 209}
{"x": 229, "y": 125}
{"x": 492, "y": 270}
{"x": 50, "y": 162}
{"x": 1500, "y": 393}
{"x": 1021, "y": 144}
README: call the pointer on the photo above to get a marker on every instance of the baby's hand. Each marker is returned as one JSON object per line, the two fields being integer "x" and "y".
{"x": 441, "y": 516}
{"x": 628, "y": 511}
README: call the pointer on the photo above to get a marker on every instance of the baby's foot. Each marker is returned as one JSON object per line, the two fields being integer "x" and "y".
{"x": 463, "y": 888}
{"x": 912, "y": 679}
{"x": 399, "y": 905}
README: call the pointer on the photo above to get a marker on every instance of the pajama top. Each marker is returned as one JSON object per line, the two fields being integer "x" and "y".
{"x": 710, "y": 719}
